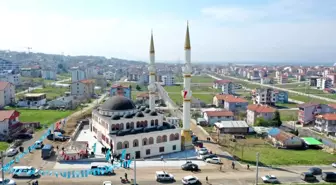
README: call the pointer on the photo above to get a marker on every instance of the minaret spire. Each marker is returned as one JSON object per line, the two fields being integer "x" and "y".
{"x": 151, "y": 71}
{"x": 151, "y": 48}
{"x": 187, "y": 39}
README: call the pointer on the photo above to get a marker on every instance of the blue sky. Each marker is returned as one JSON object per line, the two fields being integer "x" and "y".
{"x": 221, "y": 30}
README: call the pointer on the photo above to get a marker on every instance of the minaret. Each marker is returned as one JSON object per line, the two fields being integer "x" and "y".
{"x": 151, "y": 70}
{"x": 186, "y": 94}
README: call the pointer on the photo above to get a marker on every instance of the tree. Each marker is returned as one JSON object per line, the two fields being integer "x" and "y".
{"x": 276, "y": 121}
{"x": 138, "y": 88}
{"x": 261, "y": 122}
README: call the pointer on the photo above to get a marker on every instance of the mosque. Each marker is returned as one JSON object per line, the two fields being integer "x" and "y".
{"x": 119, "y": 124}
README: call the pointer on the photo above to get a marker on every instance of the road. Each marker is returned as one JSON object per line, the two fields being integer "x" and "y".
{"x": 279, "y": 88}
{"x": 145, "y": 176}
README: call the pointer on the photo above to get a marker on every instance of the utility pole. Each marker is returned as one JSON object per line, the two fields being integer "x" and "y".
{"x": 135, "y": 171}
{"x": 257, "y": 171}
{"x": 2, "y": 168}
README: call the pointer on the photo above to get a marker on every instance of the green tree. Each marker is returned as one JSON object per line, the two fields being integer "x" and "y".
{"x": 138, "y": 88}
{"x": 276, "y": 121}
{"x": 261, "y": 122}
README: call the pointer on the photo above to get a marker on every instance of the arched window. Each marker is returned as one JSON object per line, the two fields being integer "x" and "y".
{"x": 146, "y": 123}
{"x": 164, "y": 138}
{"x": 144, "y": 141}
{"x": 132, "y": 125}
{"x": 113, "y": 127}
{"x": 117, "y": 127}
{"x": 151, "y": 141}
{"x": 119, "y": 145}
{"x": 127, "y": 125}
{"x": 152, "y": 123}
{"x": 135, "y": 143}
{"x": 137, "y": 124}
{"x": 156, "y": 122}
{"x": 177, "y": 136}
{"x": 158, "y": 139}
{"x": 121, "y": 126}
{"x": 126, "y": 144}
{"x": 171, "y": 137}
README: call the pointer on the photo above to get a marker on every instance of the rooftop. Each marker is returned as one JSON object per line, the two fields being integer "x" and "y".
{"x": 6, "y": 114}
{"x": 219, "y": 113}
{"x": 231, "y": 124}
{"x": 328, "y": 116}
{"x": 3, "y": 85}
{"x": 34, "y": 94}
{"x": 261, "y": 108}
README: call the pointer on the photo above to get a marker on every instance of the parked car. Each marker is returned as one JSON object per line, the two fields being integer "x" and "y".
{"x": 163, "y": 176}
{"x": 7, "y": 182}
{"x": 25, "y": 171}
{"x": 214, "y": 160}
{"x": 189, "y": 166}
{"x": 333, "y": 165}
{"x": 315, "y": 171}
{"x": 58, "y": 137}
{"x": 60, "y": 130}
{"x": 329, "y": 176}
{"x": 202, "y": 151}
{"x": 12, "y": 152}
{"x": 38, "y": 144}
{"x": 308, "y": 177}
{"x": 107, "y": 183}
{"x": 24, "y": 136}
{"x": 190, "y": 180}
{"x": 270, "y": 179}
{"x": 205, "y": 157}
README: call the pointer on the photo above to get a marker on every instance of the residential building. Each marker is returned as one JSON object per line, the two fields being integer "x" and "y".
{"x": 259, "y": 111}
{"x": 324, "y": 83}
{"x": 64, "y": 102}
{"x": 174, "y": 121}
{"x": 230, "y": 102}
{"x": 7, "y": 94}
{"x": 281, "y": 96}
{"x": 144, "y": 97}
{"x": 300, "y": 77}
{"x": 33, "y": 100}
{"x": 326, "y": 123}
{"x": 264, "y": 96}
{"x": 78, "y": 74}
{"x": 10, "y": 76}
{"x": 120, "y": 90}
{"x": 332, "y": 76}
{"x": 283, "y": 79}
{"x": 231, "y": 127}
{"x": 119, "y": 125}
{"x": 216, "y": 116}
{"x": 266, "y": 80}
{"x": 49, "y": 74}
{"x": 9, "y": 66}
{"x": 109, "y": 75}
{"x": 34, "y": 72}
{"x": 313, "y": 81}
{"x": 168, "y": 80}
{"x": 83, "y": 88}
{"x": 284, "y": 139}
{"x": 9, "y": 122}
{"x": 226, "y": 85}
{"x": 308, "y": 111}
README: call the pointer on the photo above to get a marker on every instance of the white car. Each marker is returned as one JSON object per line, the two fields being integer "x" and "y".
{"x": 163, "y": 176}
{"x": 214, "y": 160}
{"x": 202, "y": 151}
{"x": 270, "y": 179}
{"x": 38, "y": 144}
{"x": 11, "y": 152}
{"x": 7, "y": 182}
{"x": 189, "y": 180}
{"x": 333, "y": 165}
{"x": 107, "y": 183}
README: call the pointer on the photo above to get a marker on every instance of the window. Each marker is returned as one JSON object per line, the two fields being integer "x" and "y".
{"x": 119, "y": 146}
{"x": 135, "y": 143}
{"x": 177, "y": 136}
{"x": 127, "y": 125}
{"x": 151, "y": 141}
{"x": 158, "y": 139}
{"x": 156, "y": 122}
{"x": 152, "y": 123}
{"x": 171, "y": 137}
{"x": 126, "y": 145}
{"x": 164, "y": 138}
{"x": 174, "y": 147}
{"x": 148, "y": 152}
{"x": 144, "y": 141}
{"x": 161, "y": 149}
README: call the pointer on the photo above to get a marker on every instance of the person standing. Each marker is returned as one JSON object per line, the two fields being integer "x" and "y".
{"x": 206, "y": 179}
{"x": 126, "y": 176}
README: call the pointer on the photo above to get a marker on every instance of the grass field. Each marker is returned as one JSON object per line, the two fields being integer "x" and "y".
{"x": 206, "y": 98}
{"x": 288, "y": 115}
{"x": 52, "y": 92}
{"x": 196, "y": 79}
{"x": 43, "y": 116}
{"x": 194, "y": 89}
{"x": 3, "y": 146}
{"x": 290, "y": 86}
{"x": 306, "y": 98}
{"x": 134, "y": 85}
{"x": 246, "y": 150}
{"x": 288, "y": 105}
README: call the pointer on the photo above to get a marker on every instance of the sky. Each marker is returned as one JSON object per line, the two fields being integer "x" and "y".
{"x": 220, "y": 30}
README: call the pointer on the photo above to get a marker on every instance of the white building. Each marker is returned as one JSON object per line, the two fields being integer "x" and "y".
{"x": 174, "y": 121}
{"x": 8, "y": 65}
{"x": 259, "y": 111}
{"x": 10, "y": 77}
{"x": 7, "y": 93}
{"x": 49, "y": 75}
{"x": 33, "y": 100}
{"x": 83, "y": 88}
{"x": 168, "y": 80}
{"x": 109, "y": 75}
{"x": 324, "y": 83}
{"x": 264, "y": 96}
{"x": 119, "y": 125}
{"x": 78, "y": 74}
{"x": 226, "y": 85}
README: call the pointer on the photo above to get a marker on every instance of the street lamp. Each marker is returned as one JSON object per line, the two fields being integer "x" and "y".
{"x": 257, "y": 171}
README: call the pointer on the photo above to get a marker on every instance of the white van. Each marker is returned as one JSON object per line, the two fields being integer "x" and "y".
{"x": 107, "y": 168}
{"x": 25, "y": 171}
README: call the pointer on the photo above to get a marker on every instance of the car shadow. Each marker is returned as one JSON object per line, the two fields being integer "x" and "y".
{"x": 167, "y": 182}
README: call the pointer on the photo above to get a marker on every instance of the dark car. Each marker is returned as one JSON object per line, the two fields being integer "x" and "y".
{"x": 315, "y": 171}
{"x": 58, "y": 138}
{"x": 308, "y": 177}
{"x": 24, "y": 136}
{"x": 208, "y": 156}
{"x": 189, "y": 166}
{"x": 329, "y": 176}
{"x": 59, "y": 130}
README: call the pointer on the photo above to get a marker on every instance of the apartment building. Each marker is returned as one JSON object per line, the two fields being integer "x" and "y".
{"x": 324, "y": 83}
{"x": 326, "y": 123}
{"x": 308, "y": 111}
{"x": 227, "y": 86}
{"x": 83, "y": 88}
{"x": 49, "y": 74}
{"x": 168, "y": 80}
{"x": 265, "y": 96}
{"x": 259, "y": 111}
{"x": 7, "y": 94}
{"x": 217, "y": 116}
{"x": 10, "y": 76}
{"x": 8, "y": 65}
